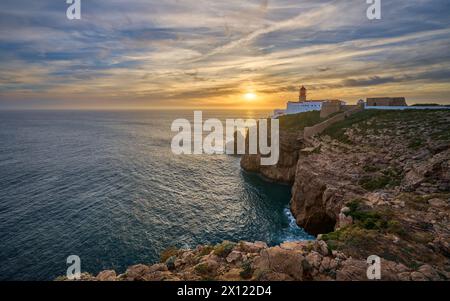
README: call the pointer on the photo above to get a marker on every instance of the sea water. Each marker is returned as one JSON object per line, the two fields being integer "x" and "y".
{"x": 104, "y": 185}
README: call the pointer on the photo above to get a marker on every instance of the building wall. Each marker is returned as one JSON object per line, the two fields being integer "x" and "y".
{"x": 320, "y": 127}
{"x": 405, "y": 108}
{"x": 329, "y": 108}
{"x": 301, "y": 107}
{"x": 386, "y": 101}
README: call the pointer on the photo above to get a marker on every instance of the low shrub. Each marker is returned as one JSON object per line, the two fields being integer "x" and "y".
{"x": 167, "y": 253}
{"x": 224, "y": 249}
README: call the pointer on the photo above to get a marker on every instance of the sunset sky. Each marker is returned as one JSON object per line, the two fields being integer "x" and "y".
{"x": 220, "y": 54}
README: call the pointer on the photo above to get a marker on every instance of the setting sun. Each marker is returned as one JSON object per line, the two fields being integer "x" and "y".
{"x": 250, "y": 96}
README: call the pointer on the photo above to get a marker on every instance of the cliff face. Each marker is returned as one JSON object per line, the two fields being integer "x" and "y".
{"x": 284, "y": 171}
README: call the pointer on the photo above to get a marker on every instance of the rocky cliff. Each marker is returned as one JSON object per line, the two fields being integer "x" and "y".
{"x": 377, "y": 183}
{"x": 284, "y": 171}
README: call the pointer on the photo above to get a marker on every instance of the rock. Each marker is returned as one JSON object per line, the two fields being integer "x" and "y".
{"x": 325, "y": 264}
{"x": 377, "y": 198}
{"x": 437, "y": 203}
{"x": 284, "y": 170}
{"x": 159, "y": 267}
{"x": 321, "y": 247}
{"x": 279, "y": 260}
{"x": 344, "y": 221}
{"x": 108, "y": 275}
{"x": 136, "y": 272}
{"x": 352, "y": 270}
{"x": 404, "y": 276}
{"x": 310, "y": 193}
{"x": 207, "y": 268}
{"x": 309, "y": 150}
{"x": 170, "y": 262}
{"x": 345, "y": 210}
{"x": 396, "y": 240}
{"x": 333, "y": 264}
{"x": 272, "y": 276}
{"x": 429, "y": 272}
{"x": 293, "y": 245}
{"x": 443, "y": 245}
{"x": 232, "y": 275}
{"x": 417, "y": 276}
{"x": 188, "y": 257}
{"x": 249, "y": 247}
{"x": 314, "y": 259}
{"x": 234, "y": 256}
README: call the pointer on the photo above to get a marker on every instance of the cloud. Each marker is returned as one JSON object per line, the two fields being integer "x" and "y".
{"x": 202, "y": 52}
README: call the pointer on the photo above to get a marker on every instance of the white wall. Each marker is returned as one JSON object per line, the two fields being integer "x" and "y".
{"x": 403, "y": 108}
{"x": 301, "y": 107}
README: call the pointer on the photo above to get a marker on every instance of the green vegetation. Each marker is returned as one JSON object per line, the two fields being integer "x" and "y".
{"x": 246, "y": 272}
{"x": 416, "y": 143}
{"x": 366, "y": 219}
{"x": 167, "y": 253}
{"x": 388, "y": 178}
{"x": 260, "y": 274}
{"x": 298, "y": 122}
{"x": 419, "y": 202}
{"x": 442, "y": 133}
{"x": 352, "y": 236}
{"x": 366, "y": 229}
{"x": 370, "y": 168}
{"x": 170, "y": 262}
{"x": 337, "y": 130}
{"x": 206, "y": 250}
{"x": 202, "y": 268}
{"x": 376, "y": 120}
{"x": 224, "y": 248}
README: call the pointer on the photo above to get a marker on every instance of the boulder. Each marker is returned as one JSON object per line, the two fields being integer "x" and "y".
{"x": 282, "y": 261}
{"x": 249, "y": 247}
{"x": 234, "y": 256}
{"x": 439, "y": 203}
{"x": 429, "y": 272}
{"x": 108, "y": 275}
{"x": 417, "y": 276}
{"x": 352, "y": 270}
{"x": 207, "y": 268}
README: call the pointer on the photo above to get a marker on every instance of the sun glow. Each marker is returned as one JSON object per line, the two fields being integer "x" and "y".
{"x": 250, "y": 96}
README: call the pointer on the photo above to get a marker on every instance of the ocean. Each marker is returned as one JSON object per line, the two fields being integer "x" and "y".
{"x": 104, "y": 185}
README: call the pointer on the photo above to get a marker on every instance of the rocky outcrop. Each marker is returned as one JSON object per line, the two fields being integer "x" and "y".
{"x": 284, "y": 171}
{"x": 293, "y": 261}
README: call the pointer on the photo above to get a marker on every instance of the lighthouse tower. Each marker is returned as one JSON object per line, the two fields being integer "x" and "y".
{"x": 302, "y": 97}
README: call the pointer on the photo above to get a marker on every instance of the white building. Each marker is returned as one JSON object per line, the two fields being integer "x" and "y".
{"x": 302, "y": 106}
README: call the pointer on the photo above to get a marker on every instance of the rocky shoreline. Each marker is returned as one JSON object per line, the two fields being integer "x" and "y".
{"x": 290, "y": 261}
{"x": 377, "y": 183}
